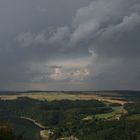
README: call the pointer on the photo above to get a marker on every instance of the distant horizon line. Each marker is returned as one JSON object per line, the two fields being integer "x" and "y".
{"x": 26, "y": 91}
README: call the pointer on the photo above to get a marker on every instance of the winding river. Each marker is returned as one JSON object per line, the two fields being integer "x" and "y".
{"x": 26, "y": 127}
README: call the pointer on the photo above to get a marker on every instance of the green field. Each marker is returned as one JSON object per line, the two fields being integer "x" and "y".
{"x": 134, "y": 117}
{"x": 117, "y": 111}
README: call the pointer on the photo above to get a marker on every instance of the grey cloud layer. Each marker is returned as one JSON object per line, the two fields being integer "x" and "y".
{"x": 98, "y": 49}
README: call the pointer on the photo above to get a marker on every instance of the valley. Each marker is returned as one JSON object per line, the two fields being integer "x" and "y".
{"x": 60, "y": 115}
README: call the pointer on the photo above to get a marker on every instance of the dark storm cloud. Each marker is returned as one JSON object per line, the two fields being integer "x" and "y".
{"x": 70, "y": 45}
{"x": 25, "y": 27}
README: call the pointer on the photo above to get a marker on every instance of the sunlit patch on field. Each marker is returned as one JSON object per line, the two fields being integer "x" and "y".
{"x": 61, "y": 96}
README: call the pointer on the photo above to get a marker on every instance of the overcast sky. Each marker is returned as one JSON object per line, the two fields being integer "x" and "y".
{"x": 69, "y": 44}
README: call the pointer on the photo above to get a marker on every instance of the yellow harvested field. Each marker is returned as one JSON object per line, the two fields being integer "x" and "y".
{"x": 103, "y": 99}
{"x": 42, "y": 96}
{"x": 61, "y": 96}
